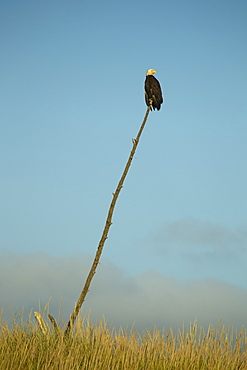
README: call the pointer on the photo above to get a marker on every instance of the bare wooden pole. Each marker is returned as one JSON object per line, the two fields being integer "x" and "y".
{"x": 106, "y": 229}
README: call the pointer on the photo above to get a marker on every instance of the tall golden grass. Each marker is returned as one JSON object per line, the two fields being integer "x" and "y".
{"x": 96, "y": 346}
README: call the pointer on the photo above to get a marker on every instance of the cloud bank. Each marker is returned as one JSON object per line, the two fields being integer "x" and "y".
{"x": 209, "y": 245}
{"x": 204, "y": 235}
{"x": 147, "y": 299}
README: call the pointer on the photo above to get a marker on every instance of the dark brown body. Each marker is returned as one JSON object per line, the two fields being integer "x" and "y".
{"x": 153, "y": 93}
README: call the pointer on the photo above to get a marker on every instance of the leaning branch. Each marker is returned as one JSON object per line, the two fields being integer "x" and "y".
{"x": 106, "y": 229}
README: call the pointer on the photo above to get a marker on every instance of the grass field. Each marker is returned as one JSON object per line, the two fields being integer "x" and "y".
{"x": 96, "y": 346}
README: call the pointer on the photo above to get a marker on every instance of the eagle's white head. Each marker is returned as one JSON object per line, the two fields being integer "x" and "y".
{"x": 150, "y": 72}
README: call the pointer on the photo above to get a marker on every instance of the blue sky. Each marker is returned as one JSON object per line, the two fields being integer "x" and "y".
{"x": 72, "y": 75}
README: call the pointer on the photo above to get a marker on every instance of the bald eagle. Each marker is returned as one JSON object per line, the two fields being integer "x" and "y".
{"x": 153, "y": 93}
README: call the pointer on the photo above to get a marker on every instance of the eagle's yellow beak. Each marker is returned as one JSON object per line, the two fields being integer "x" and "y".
{"x": 153, "y": 71}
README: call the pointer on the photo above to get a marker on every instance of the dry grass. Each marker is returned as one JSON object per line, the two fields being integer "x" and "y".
{"x": 91, "y": 347}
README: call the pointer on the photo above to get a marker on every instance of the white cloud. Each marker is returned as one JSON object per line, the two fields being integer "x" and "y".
{"x": 148, "y": 299}
{"x": 188, "y": 236}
